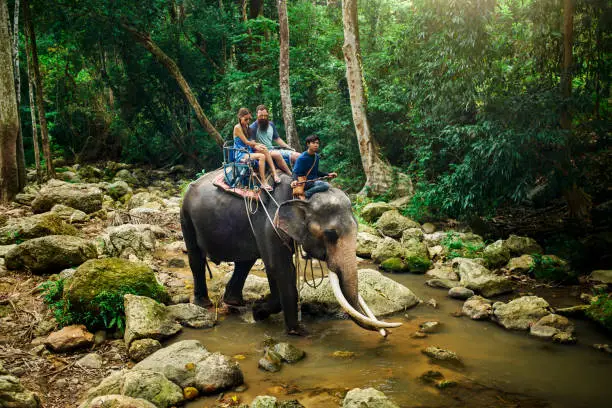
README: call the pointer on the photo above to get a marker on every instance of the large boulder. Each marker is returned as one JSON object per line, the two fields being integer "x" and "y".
{"x": 383, "y": 295}
{"x": 496, "y": 254}
{"x": 147, "y": 319}
{"x": 416, "y": 256}
{"x": 366, "y": 244}
{"x": 478, "y": 278}
{"x": 522, "y": 245}
{"x": 83, "y": 197}
{"x": 393, "y": 224}
{"x": 90, "y": 173}
{"x": 372, "y": 211}
{"x": 603, "y": 276}
{"x": 111, "y": 275}
{"x": 521, "y": 313}
{"x": 388, "y": 248}
{"x": 17, "y": 230}
{"x": 118, "y": 189}
{"x": 126, "y": 176}
{"x": 554, "y": 327}
{"x": 117, "y": 401}
{"x": 127, "y": 240}
{"x": 477, "y": 308}
{"x": 50, "y": 254}
{"x": 188, "y": 364}
{"x": 367, "y": 398}
{"x": 521, "y": 265}
{"x": 142, "y": 384}
{"x": 14, "y": 395}
{"x": 70, "y": 215}
{"x": 191, "y": 315}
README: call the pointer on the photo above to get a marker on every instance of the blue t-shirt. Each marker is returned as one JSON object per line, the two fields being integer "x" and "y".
{"x": 304, "y": 163}
{"x": 264, "y": 137}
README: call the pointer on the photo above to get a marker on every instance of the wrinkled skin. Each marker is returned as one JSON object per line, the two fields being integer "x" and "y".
{"x": 215, "y": 225}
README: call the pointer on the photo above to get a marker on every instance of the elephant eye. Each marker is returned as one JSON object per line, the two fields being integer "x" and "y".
{"x": 331, "y": 235}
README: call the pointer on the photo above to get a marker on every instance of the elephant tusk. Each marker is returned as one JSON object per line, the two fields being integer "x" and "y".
{"x": 370, "y": 314}
{"x": 335, "y": 284}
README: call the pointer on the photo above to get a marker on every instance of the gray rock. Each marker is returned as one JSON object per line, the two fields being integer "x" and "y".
{"x": 441, "y": 283}
{"x": 551, "y": 326}
{"x": 255, "y": 287}
{"x": 288, "y": 352}
{"x": 84, "y": 197}
{"x": 428, "y": 228}
{"x": 14, "y": 395}
{"x": 153, "y": 387}
{"x": 264, "y": 401}
{"x": 388, "y": 248}
{"x": 477, "y": 308}
{"x": 393, "y": 224}
{"x": 271, "y": 361}
{"x": 478, "y": 278}
{"x": 18, "y": 230}
{"x": 522, "y": 245}
{"x": 143, "y": 215}
{"x": 70, "y": 215}
{"x": 50, "y": 254}
{"x": 412, "y": 233}
{"x": 372, "y": 211}
{"x": 118, "y": 189}
{"x": 146, "y": 200}
{"x": 383, "y": 295}
{"x": 91, "y": 360}
{"x": 188, "y": 364}
{"x": 146, "y": 318}
{"x": 429, "y": 327}
{"x": 520, "y": 265}
{"x": 4, "y": 249}
{"x": 117, "y": 401}
{"x": 604, "y": 276}
{"x": 368, "y": 229}
{"x": 191, "y": 315}
{"x": 367, "y": 398}
{"x": 125, "y": 176}
{"x": 438, "y": 354}
{"x": 129, "y": 239}
{"x": 443, "y": 272}
{"x": 141, "y": 349}
{"x": 460, "y": 292}
{"x": 366, "y": 244}
{"x": 24, "y": 198}
{"x": 520, "y": 313}
{"x": 496, "y": 254}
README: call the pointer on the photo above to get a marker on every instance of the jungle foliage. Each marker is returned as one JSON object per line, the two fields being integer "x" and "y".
{"x": 464, "y": 96}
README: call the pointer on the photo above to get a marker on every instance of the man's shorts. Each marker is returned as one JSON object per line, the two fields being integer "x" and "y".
{"x": 286, "y": 155}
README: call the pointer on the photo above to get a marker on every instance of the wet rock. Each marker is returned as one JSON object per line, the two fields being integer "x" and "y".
{"x": 69, "y": 338}
{"x": 372, "y": 211}
{"x": 146, "y": 318}
{"x": 438, "y": 354}
{"x": 433, "y": 303}
{"x": 429, "y": 327}
{"x": 188, "y": 364}
{"x": 190, "y": 393}
{"x": 564, "y": 338}
{"x": 573, "y": 311}
{"x": 366, "y": 244}
{"x": 443, "y": 272}
{"x": 520, "y": 313}
{"x": 521, "y": 265}
{"x": 129, "y": 239}
{"x": 522, "y": 245}
{"x": 603, "y": 276}
{"x": 141, "y": 349}
{"x": 288, "y": 352}
{"x": 383, "y": 295}
{"x": 441, "y": 283}
{"x": 50, "y": 254}
{"x": 478, "y": 278}
{"x": 271, "y": 361}
{"x": 418, "y": 335}
{"x": 264, "y": 401}
{"x": 550, "y": 325}
{"x": 603, "y": 347}
{"x": 91, "y": 360}
{"x": 496, "y": 254}
{"x": 18, "y": 230}
{"x": 477, "y": 308}
{"x": 14, "y": 395}
{"x": 84, "y": 197}
{"x": 191, "y": 315}
{"x": 428, "y": 228}
{"x": 446, "y": 384}
{"x": 460, "y": 292}
{"x": 431, "y": 376}
{"x": 393, "y": 224}
{"x": 69, "y": 214}
{"x": 117, "y": 401}
{"x": 343, "y": 354}
{"x": 367, "y": 398}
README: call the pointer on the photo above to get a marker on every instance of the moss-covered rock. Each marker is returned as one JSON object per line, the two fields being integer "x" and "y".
{"x": 372, "y": 211}
{"x": 496, "y": 254}
{"x": 118, "y": 189}
{"x": 522, "y": 245}
{"x": 20, "y": 229}
{"x": 50, "y": 254}
{"x": 111, "y": 275}
{"x": 394, "y": 265}
{"x": 84, "y": 197}
{"x": 393, "y": 224}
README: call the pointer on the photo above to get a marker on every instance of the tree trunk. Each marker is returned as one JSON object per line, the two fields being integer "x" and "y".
{"x": 31, "y": 87}
{"x": 9, "y": 121}
{"x": 256, "y": 8}
{"x": 566, "y": 75}
{"x": 31, "y": 35}
{"x": 145, "y": 40}
{"x": 16, "y": 73}
{"x": 379, "y": 175}
{"x": 285, "y": 90}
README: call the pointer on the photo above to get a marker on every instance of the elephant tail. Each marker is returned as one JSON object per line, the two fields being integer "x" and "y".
{"x": 197, "y": 257}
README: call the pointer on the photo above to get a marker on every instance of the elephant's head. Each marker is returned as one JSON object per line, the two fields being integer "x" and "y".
{"x": 327, "y": 230}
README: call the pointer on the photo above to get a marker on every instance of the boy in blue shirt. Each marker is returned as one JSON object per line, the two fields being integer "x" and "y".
{"x": 307, "y": 168}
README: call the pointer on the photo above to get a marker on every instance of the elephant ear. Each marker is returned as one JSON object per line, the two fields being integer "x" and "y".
{"x": 291, "y": 218}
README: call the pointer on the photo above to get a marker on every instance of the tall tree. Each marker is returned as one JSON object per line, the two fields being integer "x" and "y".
{"x": 283, "y": 67}
{"x": 31, "y": 36}
{"x": 31, "y": 87}
{"x": 145, "y": 40}
{"x": 9, "y": 121}
{"x": 20, "y": 152}
{"x": 379, "y": 175}
{"x": 566, "y": 75}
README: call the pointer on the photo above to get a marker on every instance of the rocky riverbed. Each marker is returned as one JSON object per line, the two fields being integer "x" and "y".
{"x": 68, "y": 246}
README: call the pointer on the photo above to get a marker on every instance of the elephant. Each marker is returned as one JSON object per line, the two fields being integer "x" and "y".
{"x": 218, "y": 225}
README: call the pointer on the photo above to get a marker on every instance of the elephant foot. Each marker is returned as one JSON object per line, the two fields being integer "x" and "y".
{"x": 236, "y": 302}
{"x": 260, "y": 312}
{"x": 300, "y": 330}
{"x": 204, "y": 302}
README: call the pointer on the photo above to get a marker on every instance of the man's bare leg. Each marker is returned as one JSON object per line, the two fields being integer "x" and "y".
{"x": 280, "y": 162}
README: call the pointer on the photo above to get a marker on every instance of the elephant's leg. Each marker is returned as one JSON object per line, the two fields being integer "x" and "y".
{"x": 198, "y": 269}
{"x": 233, "y": 289}
{"x": 289, "y": 299}
{"x": 272, "y": 305}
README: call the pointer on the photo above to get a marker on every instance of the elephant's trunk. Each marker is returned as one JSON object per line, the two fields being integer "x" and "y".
{"x": 343, "y": 278}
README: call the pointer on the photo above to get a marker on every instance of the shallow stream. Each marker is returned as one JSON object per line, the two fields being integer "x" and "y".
{"x": 502, "y": 368}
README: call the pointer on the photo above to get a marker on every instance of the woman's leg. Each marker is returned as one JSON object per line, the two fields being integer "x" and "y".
{"x": 272, "y": 166}
{"x": 261, "y": 159}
